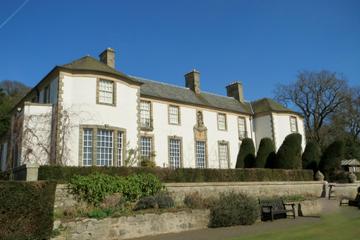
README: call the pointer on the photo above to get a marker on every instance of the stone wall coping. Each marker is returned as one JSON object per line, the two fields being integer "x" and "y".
{"x": 203, "y": 184}
{"x": 356, "y": 184}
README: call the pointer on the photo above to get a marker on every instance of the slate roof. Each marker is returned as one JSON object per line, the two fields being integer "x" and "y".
{"x": 155, "y": 89}
{"x": 150, "y": 88}
{"x": 350, "y": 162}
{"x": 269, "y": 105}
{"x": 88, "y": 63}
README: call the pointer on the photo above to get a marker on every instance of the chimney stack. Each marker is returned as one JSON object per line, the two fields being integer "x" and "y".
{"x": 108, "y": 57}
{"x": 192, "y": 81}
{"x": 235, "y": 90}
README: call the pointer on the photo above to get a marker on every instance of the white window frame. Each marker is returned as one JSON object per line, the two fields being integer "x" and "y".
{"x": 242, "y": 127}
{"x": 104, "y": 147}
{"x": 293, "y": 124}
{"x": 224, "y": 157}
{"x": 145, "y": 114}
{"x": 146, "y": 147}
{"x": 200, "y": 154}
{"x": 120, "y": 147}
{"x": 174, "y": 114}
{"x": 106, "y": 91}
{"x": 221, "y": 122}
{"x": 87, "y": 151}
{"x": 175, "y": 152}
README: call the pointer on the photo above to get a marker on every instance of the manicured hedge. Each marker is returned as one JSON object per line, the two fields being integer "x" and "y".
{"x": 63, "y": 174}
{"x": 4, "y": 175}
{"x": 26, "y": 210}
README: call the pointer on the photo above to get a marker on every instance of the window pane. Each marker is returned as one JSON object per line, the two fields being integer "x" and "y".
{"x": 145, "y": 114}
{"x": 87, "y": 147}
{"x": 104, "y": 148}
{"x": 293, "y": 124}
{"x": 174, "y": 152}
{"x": 120, "y": 137}
{"x": 222, "y": 121}
{"x": 173, "y": 114}
{"x": 242, "y": 128}
{"x": 106, "y": 91}
{"x": 200, "y": 154}
{"x": 145, "y": 147}
{"x": 223, "y": 155}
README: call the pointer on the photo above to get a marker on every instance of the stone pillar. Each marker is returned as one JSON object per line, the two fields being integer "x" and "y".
{"x": 27, "y": 172}
{"x": 32, "y": 171}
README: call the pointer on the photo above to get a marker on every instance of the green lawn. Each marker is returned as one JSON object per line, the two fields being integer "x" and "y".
{"x": 340, "y": 226}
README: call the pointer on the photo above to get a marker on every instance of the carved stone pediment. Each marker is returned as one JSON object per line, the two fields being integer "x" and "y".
{"x": 200, "y": 131}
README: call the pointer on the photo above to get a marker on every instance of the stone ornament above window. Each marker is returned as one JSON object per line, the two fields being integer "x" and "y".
{"x": 199, "y": 129}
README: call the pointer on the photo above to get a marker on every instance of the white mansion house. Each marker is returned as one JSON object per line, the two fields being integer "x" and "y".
{"x": 87, "y": 113}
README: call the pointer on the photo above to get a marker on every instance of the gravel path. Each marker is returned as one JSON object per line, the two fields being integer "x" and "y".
{"x": 328, "y": 206}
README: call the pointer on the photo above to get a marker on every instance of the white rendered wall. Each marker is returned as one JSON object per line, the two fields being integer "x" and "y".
{"x": 79, "y": 99}
{"x": 36, "y": 133}
{"x": 282, "y": 128}
{"x": 262, "y": 128}
{"x": 163, "y": 130}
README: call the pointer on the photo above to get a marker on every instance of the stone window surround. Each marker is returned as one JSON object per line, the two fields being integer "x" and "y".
{"x": 143, "y": 128}
{"x": 97, "y": 91}
{"x": 179, "y": 114}
{"x": 245, "y": 127}
{"x": 225, "y": 117}
{"x": 223, "y": 142}
{"x": 152, "y": 143}
{"x": 296, "y": 124}
{"x": 181, "y": 150}
{"x": 94, "y": 137}
{"x": 206, "y": 164}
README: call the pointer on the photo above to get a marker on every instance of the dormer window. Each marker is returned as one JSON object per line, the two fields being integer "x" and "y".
{"x": 106, "y": 92}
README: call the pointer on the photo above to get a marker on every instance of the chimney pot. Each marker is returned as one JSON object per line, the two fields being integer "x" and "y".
{"x": 235, "y": 90}
{"x": 192, "y": 81}
{"x": 108, "y": 57}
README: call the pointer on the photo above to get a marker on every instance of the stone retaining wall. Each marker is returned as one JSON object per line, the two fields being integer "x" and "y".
{"x": 346, "y": 189}
{"x": 314, "y": 189}
{"x": 63, "y": 199}
{"x": 178, "y": 191}
{"x": 212, "y": 189}
{"x": 152, "y": 224}
{"x": 133, "y": 226}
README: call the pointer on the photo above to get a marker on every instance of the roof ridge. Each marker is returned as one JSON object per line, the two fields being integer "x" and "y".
{"x": 155, "y": 81}
{"x": 177, "y": 86}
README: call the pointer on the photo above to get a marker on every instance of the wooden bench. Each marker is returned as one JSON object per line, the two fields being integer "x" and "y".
{"x": 275, "y": 208}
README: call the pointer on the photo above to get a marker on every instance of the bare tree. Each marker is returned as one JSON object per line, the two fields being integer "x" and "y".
{"x": 14, "y": 88}
{"x": 347, "y": 119}
{"x": 39, "y": 141}
{"x": 317, "y": 95}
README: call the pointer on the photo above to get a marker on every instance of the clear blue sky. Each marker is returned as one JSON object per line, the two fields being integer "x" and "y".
{"x": 261, "y": 43}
